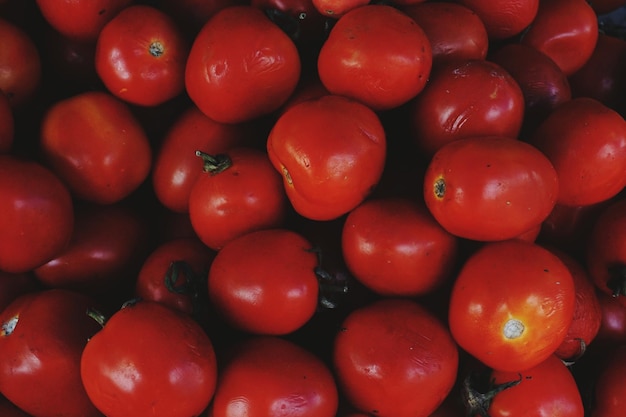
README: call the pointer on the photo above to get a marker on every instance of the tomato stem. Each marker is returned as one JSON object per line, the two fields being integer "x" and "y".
{"x": 478, "y": 403}
{"x": 99, "y": 317}
{"x": 214, "y": 164}
{"x": 617, "y": 280}
{"x": 332, "y": 287}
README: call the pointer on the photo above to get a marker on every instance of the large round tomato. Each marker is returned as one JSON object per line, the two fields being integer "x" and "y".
{"x": 375, "y": 54}
{"x": 393, "y": 358}
{"x": 610, "y": 385}
{"x": 149, "y": 359}
{"x": 331, "y": 153}
{"x": 511, "y": 305}
{"x": 490, "y": 188}
{"x": 241, "y": 66}
{"x": 504, "y": 18}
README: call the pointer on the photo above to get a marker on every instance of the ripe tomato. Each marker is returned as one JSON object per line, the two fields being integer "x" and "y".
{"x": 336, "y": 8}
{"x": 395, "y": 247}
{"x": 7, "y": 123}
{"x": 331, "y": 153}
{"x": 270, "y": 376}
{"x": 375, "y": 54}
{"x": 149, "y": 359}
{"x": 503, "y": 18}
{"x": 141, "y": 55}
{"x": 96, "y": 145}
{"x": 264, "y": 282}
{"x": 511, "y": 305}
{"x": 612, "y": 330}
{"x": 472, "y": 185}
{"x": 8, "y": 409}
{"x": 595, "y": 171}
{"x": 43, "y": 335}
{"x": 609, "y": 390}
{"x": 241, "y": 66}
{"x": 393, "y": 357}
{"x": 310, "y": 22}
{"x": 37, "y": 214}
{"x": 239, "y": 192}
{"x": 566, "y": 31}
{"x": 463, "y": 99}
{"x": 191, "y": 15}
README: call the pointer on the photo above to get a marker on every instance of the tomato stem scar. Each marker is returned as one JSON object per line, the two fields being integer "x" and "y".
{"x": 9, "y": 326}
{"x": 513, "y": 329}
{"x": 439, "y": 187}
{"x": 156, "y": 49}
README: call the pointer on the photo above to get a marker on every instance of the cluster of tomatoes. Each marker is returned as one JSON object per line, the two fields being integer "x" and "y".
{"x": 314, "y": 208}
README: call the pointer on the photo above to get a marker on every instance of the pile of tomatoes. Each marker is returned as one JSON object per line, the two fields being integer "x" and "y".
{"x": 313, "y": 208}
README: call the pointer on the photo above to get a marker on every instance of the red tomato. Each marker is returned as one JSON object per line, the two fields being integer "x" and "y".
{"x": 337, "y": 8}
{"x": 396, "y": 248}
{"x": 612, "y": 330}
{"x": 511, "y": 305}
{"x": 239, "y": 192}
{"x": 463, "y": 99}
{"x": 241, "y": 66}
{"x": 455, "y": 32}
{"x": 141, "y": 55}
{"x": 43, "y": 335}
{"x": 472, "y": 185}
{"x": 80, "y": 19}
{"x": 37, "y": 214}
{"x": 503, "y": 18}
{"x": 610, "y": 385}
{"x": 8, "y": 409}
{"x": 264, "y": 282}
{"x": 393, "y": 357}
{"x": 331, "y": 152}
{"x": 7, "y": 123}
{"x": 375, "y": 54}
{"x": 270, "y": 376}
{"x": 594, "y": 172}
{"x": 96, "y": 145}
{"x": 566, "y": 31}
{"x": 149, "y": 359}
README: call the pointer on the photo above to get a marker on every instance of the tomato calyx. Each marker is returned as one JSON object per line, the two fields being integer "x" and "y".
{"x": 97, "y": 316}
{"x": 477, "y": 395}
{"x": 332, "y": 286}
{"x": 191, "y": 286}
{"x": 156, "y": 49}
{"x": 214, "y": 164}
{"x": 617, "y": 280}
{"x": 439, "y": 188}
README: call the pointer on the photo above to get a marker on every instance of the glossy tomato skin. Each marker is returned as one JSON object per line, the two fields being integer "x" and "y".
{"x": 43, "y": 336}
{"x": 268, "y": 376}
{"x": 241, "y": 66}
{"x": 37, "y": 214}
{"x": 124, "y": 374}
{"x": 472, "y": 184}
{"x": 466, "y": 98}
{"x": 503, "y": 18}
{"x": 586, "y": 142}
{"x": 511, "y": 305}
{"x": 396, "y": 248}
{"x": 612, "y": 330}
{"x": 609, "y": 392}
{"x": 392, "y": 357}
{"x": 377, "y": 55}
{"x": 328, "y": 172}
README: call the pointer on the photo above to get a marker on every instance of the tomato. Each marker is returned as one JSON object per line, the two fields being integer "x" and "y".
{"x": 337, "y": 8}
{"x": 609, "y": 390}
{"x": 149, "y": 359}
{"x": 237, "y": 193}
{"x": 308, "y": 20}
{"x": 375, "y": 54}
{"x": 241, "y": 66}
{"x": 463, "y": 99}
{"x": 594, "y": 172}
{"x": 191, "y": 15}
{"x": 511, "y": 305}
{"x": 566, "y": 31}
{"x": 612, "y": 330}
{"x": 96, "y": 145}
{"x": 37, "y": 214}
{"x": 7, "y": 124}
{"x": 504, "y": 19}
{"x": 43, "y": 335}
{"x": 471, "y": 185}
{"x": 455, "y": 32}
{"x": 141, "y": 56}
{"x": 269, "y": 376}
{"x": 8, "y": 409}
{"x": 396, "y": 248}
{"x": 328, "y": 171}
{"x": 80, "y": 19}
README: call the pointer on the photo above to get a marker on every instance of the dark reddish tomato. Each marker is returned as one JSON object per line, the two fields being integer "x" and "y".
{"x": 308, "y": 20}
{"x": 96, "y": 145}
{"x": 80, "y": 19}
{"x": 271, "y": 376}
{"x": 393, "y": 357}
{"x": 504, "y": 18}
{"x": 7, "y": 124}
{"x": 191, "y": 15}
{"x": 149, "y": 359}
{"x": 610, "y": 385}
{"x": 471, "y": 185}
{"x": 512, "y": 305}
{"x": 241, "y": 66}
{"x": 37, "y": 219}
{"x": 8, "y": 409}
{"x": 463, "y": 99}
{"x": 595, "y": 171}
{"x": 264, "y": 282}
{"x": 455, "y": 32}
{"x": 141, "y": 55}
{"x": 375, "y": 54}
{"x": 328, "y": 172}
{"x": 395, "y": 247}
{"x": 42, "y": 338}
{"x": 566, "y": 31}
{"x": 612, "y": 330}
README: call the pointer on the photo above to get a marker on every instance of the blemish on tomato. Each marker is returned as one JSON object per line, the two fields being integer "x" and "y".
{"x": 9, "y": 326}
{"x": 439, "y": 188}
{"x": 513, "y": 329}
{"x": 287, "y": 175}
